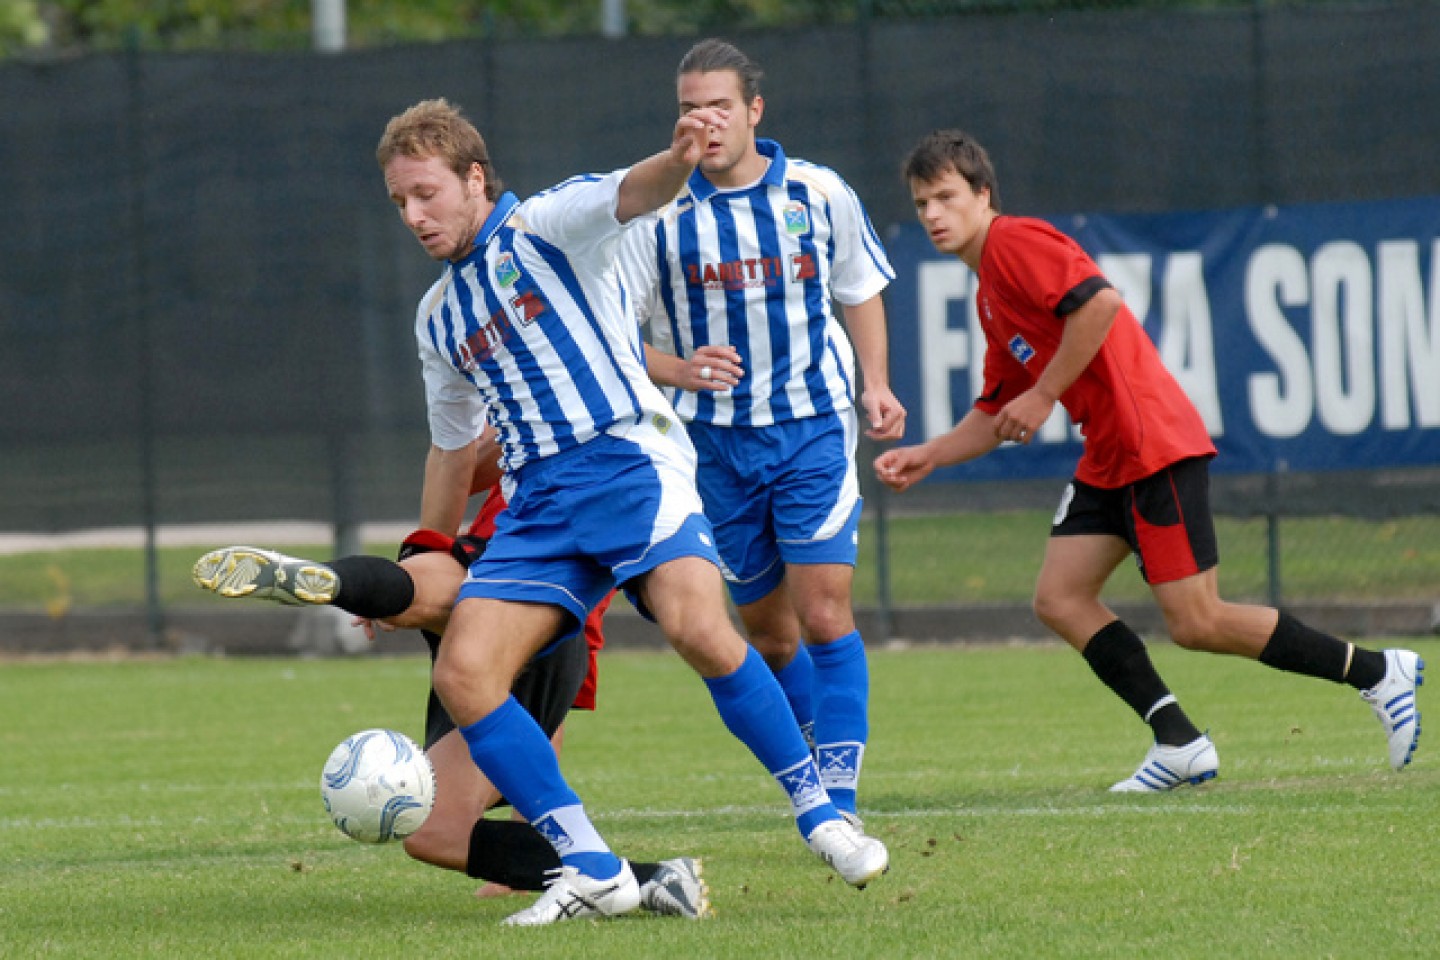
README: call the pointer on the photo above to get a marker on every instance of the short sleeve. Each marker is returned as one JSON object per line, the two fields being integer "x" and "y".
{"x": 861, "y": 268}
{"x": 1041, "y": 265}
{"x": 454, "y": 408}
{"x": 578, "y": 216}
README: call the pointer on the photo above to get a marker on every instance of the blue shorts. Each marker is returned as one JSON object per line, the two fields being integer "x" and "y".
{"x": 778, "y": 495}
{"x": 594, "y": 517}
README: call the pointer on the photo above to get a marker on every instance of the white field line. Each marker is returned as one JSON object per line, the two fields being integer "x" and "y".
{"x": 124, "y": 821}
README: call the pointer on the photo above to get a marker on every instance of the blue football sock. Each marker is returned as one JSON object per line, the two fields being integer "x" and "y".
{"x": 754, "y": 710}
{"x": 797, "y": 679}
{"x": 842, "y": 722}
{"x": 511, "y": 750}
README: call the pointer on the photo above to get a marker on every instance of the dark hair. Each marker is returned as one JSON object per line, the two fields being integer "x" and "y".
{"x": 436, "y": 128}
{"x": 941, "y": 151}
{"x": 712, "y": 55}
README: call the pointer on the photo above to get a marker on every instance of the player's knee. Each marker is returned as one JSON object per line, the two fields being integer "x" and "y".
{"x": 447, "y": 679}
{"x": 1192, "y": 631}
{"x": 1050, "y": 609}
{"x": 777, "y": 651}
{"x": 711, "y": 647}
{"x": 828, "y": 622}
{"x": 464, "y": 691}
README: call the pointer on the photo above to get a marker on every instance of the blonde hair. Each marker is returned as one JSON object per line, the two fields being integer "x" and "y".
{"x": 436, "y": 128}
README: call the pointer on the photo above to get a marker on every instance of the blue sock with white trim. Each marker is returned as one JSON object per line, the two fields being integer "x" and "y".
{"x": 511, "y": 750}
{"x": 797, "y": 680}
{"x": 842, "y": 715}
{"x": 753, "y": 708}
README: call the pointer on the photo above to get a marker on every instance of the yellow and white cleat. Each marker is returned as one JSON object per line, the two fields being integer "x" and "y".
{"x": 267, "y": 575}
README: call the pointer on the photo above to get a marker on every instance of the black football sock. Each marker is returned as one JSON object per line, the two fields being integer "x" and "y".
{"x": 1296, "y": 648}
{"x": 510, "y": 852}
{"x": 372, "y": 587}
{"x": 644, "y": 872}
{"x": 515, "y": 854}
{"x": 1119, "y": 658}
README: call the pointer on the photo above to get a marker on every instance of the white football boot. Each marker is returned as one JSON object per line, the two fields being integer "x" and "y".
{"x": 1166, "y": 768}
{"x": 265, "y": 574}
{"x": 571, "y": 895}
{"x": 857, "y": 858}
{"x": 1393, "y": 700}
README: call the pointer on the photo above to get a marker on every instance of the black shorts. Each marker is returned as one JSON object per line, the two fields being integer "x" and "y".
{"x": 1165, "y": 518}
{"x": 546, "y": 688}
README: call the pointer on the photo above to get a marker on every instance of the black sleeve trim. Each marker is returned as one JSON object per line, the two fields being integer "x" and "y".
{"x": 992, "y": 395}
{"x": 1081, "y": 295}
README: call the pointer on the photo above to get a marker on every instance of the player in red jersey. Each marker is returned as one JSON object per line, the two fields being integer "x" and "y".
{"x": 1056, "y": 331}
{"x": 418, "y": 592}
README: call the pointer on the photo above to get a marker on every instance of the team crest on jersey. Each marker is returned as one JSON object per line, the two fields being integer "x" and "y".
{"x": 1020, "y": 350}
{"x": 797, "y": 218}
{"x": 506, "y": 270}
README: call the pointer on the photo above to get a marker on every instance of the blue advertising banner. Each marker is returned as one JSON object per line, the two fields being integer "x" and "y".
{"x": 1307, "y": 336}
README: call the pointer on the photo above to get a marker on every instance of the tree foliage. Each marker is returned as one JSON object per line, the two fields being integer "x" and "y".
{"x": 79, "y": 26}
{"x": 21, "y": 26}
{"x": 91, "y": 25}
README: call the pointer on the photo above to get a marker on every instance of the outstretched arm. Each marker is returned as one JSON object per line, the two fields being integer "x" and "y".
{"x": 654, "y": 181}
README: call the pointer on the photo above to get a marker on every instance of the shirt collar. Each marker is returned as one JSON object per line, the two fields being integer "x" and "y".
{"x": 702, "y": 189}
{"x": 498, "y": 215}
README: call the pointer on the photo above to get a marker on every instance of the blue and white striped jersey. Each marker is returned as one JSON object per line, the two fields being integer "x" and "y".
{"x": 534, "y": 331}
{"x": 757, "y": 268}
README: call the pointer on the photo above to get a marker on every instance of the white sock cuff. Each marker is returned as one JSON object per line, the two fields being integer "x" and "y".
{"x": 1164, "y": 701}
{"x": 569, "y": 830}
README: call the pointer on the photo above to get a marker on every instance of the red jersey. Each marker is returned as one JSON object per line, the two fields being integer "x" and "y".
{"x": 484, "y": 523}
{"x": 1134, "y": 416}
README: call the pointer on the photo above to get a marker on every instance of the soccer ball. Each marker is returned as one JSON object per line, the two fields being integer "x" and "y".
{"x": 378, "y": 786}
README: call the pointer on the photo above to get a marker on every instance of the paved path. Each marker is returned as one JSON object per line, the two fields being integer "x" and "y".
{"x": 199, "y": 535}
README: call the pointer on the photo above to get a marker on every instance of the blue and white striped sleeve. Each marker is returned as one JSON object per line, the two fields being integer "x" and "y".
{"x": 453, "y": 406}
{"x": 861, "y": 268}
{"x": 577, "y": 214}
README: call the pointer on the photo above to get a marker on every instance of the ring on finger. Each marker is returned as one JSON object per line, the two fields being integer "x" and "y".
{"x": 705, "y": 372}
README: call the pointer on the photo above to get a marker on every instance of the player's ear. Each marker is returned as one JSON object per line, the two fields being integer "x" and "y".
{"x": 757, "y": 110}
{"x": 475, "y": 182}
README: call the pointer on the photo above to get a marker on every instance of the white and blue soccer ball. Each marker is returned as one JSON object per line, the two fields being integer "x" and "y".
{"x": 378, "y": 786}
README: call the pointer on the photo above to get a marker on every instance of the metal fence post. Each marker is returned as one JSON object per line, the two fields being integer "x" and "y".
{"x": 140, "y": 317}
{"x": 883, "y": 609}
{"x": 1272, "y": 535}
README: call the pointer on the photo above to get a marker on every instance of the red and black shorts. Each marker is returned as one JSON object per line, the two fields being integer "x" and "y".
{"x": 548, "y": 686}
{"x": 1165, "y": 518}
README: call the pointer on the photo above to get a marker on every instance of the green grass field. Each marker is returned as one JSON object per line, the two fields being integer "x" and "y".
{"x": 169, "y": 808}
{"x": 945, "y": 558}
